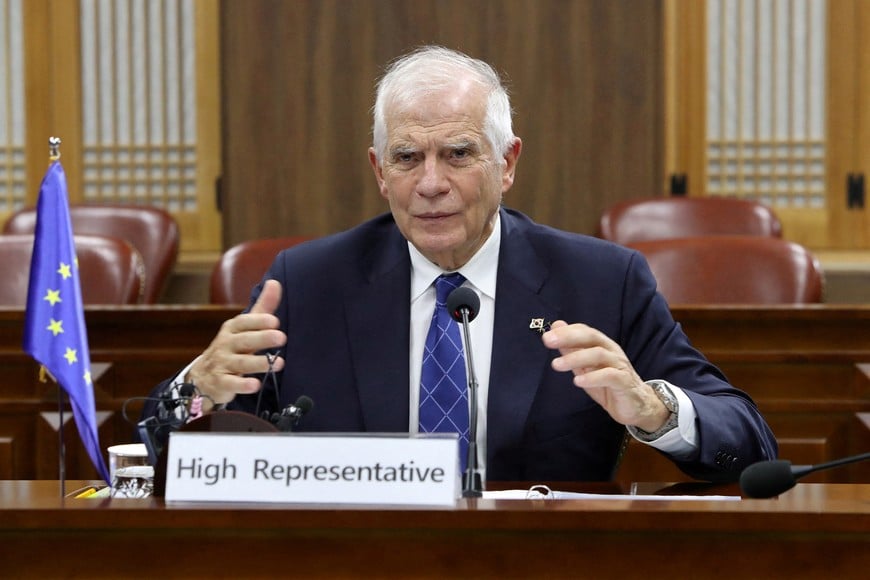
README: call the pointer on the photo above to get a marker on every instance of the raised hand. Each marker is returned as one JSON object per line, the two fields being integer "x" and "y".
{"x": 219, "y": 371}
{"x": 603, "y": 370}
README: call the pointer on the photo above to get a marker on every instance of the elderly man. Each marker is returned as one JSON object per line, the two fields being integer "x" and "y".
{"x": 573, "y": 346}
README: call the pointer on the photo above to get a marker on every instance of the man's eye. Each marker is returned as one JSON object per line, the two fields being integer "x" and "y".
{"x": 461, "y": 153}
{"x": 403, "y": 158}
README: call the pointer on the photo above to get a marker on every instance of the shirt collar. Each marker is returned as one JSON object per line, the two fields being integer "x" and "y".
{"x": 480, "y": 271}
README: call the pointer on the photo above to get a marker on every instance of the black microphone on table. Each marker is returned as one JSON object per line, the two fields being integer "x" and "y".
{"x": 463, "y": 304}
{"x": 769, "y": 478}
{"x": 288, "y": 418}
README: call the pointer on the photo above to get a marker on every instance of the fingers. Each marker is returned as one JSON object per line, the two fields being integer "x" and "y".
{"x": 230, "y": 382}
{"x": 601, "y": 368}
{"x": 259, "y": 317}
{"x": 269, "y": 299}
{"x": 582, "y": 347}
{"x": 219, "y": 371}
{"x": 249, "y": 333}
{"x": 244, "y": 363}
{"x": 563, "y": 336}
{"x": 595, "y": 359}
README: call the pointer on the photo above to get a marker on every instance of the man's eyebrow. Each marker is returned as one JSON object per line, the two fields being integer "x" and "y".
{"x": 402, "y": 150}
{"x": 463, "y": 144}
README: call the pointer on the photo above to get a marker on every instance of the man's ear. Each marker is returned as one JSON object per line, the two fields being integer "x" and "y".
{"x": 378, "y": 171}
{"x": 510, "y": 168}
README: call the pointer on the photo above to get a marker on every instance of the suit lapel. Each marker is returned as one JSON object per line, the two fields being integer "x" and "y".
{"x": 380, "y": 334}
{"x": 519, "y": 359}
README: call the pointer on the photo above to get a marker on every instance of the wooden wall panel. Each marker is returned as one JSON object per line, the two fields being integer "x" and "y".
{"x": 298, "y": 83}
{"x": 7, "y": 468}
{"x": 14, "y": 446}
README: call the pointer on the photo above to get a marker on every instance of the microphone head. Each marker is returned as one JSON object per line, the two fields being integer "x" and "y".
{"x": 304, "y": 404}
{"x": 287, "y": 419}
{"x": 463, "y": 298}
{"x": 767, "y": 478}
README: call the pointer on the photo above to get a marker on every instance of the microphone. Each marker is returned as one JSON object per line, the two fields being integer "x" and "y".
{"x": 153, "y": 430}
{"x": 289, "y": 416}
{"x": 463, "y": 304}
{"x": 766, "y": 479}
{"x": 167, "y": 404}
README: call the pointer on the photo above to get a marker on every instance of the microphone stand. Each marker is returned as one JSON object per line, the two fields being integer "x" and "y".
{"x": 472, "y": 483}
{"x": 802, "y": 470}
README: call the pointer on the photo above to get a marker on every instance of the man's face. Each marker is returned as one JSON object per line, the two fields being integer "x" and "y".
{"x": 440, "y": 176}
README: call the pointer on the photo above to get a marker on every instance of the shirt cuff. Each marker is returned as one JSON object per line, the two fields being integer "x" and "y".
{"x": 682, "y": 442}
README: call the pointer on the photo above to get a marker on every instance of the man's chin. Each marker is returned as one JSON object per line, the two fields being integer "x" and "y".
{"x": 439, "y": 249}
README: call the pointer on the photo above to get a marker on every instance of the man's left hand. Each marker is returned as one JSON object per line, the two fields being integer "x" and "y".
{"x": 603, "y": 370}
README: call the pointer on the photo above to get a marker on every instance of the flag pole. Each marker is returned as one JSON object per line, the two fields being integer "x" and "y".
{"x": 54, "y": 155}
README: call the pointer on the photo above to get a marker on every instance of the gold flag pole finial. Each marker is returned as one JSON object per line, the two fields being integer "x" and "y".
{"x": 54, "y": 148}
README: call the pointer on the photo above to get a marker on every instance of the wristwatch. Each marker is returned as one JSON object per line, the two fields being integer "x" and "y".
{"x": 663, "y": 392}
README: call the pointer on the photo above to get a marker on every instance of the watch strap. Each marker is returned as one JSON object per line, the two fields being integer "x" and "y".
{"x": 667, "y": 397}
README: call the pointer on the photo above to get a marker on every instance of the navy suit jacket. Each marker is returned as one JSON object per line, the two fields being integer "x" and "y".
{"x": 346, "y": 312}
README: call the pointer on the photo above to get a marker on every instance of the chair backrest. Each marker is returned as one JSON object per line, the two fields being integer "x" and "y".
{"x": 111, "y": 271}
{"x": 241, "y": 267}
{"x": 151, "y": 230}
{"x": 657, "y": 218}
{"x": 734, "y": 270}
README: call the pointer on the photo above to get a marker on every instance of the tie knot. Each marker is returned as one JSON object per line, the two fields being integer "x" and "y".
{"x": 445, "y": 284}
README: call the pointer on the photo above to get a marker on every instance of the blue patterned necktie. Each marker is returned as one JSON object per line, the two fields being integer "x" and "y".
{"x": 443, "y": 386}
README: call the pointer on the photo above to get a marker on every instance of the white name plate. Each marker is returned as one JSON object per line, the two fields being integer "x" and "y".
{"x": 313, "y": 468}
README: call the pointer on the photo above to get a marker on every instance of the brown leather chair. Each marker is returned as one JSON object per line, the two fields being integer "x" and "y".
{"x": 111, "y": 271}
{"x": 733, "y": 270}
{"x": 657, "y": 218}
{"x": 151, "y": 230}
{"x": 241, "y": 267}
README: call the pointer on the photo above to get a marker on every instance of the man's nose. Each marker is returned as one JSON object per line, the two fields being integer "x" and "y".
{"x": 433, "y": 180}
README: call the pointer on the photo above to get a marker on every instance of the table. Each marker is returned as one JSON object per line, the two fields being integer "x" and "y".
{"x": 816, "y": 530}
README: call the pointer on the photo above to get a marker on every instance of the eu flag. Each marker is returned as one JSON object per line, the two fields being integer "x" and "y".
{"x": 54, "y": 329}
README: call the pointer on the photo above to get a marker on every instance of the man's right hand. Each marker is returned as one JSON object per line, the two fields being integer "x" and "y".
{"x": 219, "y": 372}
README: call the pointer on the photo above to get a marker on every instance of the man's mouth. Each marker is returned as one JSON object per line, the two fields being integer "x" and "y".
{"x": 435, "y": 215}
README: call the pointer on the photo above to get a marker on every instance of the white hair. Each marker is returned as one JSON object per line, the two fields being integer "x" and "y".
{"x": 431, "y": 69}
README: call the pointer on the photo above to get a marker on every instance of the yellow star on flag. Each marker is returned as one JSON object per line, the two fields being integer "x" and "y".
{"x": 52, "y": 296}
{"x": 64, "y": 270}
{"x": 55, "y": 326}
{"x": 70, "y": 355}
{"x": 87, "y": 377}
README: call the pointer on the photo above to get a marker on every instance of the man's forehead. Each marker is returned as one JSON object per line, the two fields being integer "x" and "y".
{"x": 442, "y": 118}
{"x": 440, "y": 133}
{"x": 414, "y": 128}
